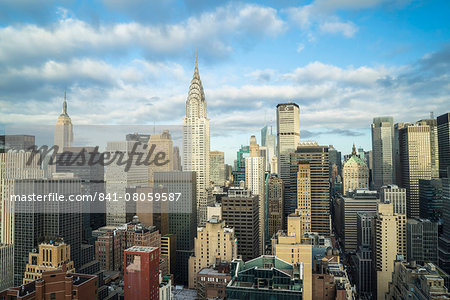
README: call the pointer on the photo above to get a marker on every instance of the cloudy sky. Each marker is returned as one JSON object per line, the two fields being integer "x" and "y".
{"x": 131, "y": 62}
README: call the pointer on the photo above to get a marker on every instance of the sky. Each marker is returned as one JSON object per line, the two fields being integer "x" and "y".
{"x": 130, "y": 62}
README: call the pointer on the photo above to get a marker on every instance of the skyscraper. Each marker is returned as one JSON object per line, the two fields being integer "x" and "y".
{"x": 254, "y": 180}
{"x": 63, "y": 129}
{"x": 363, "y": 257}
{"x": 92, "y": 182}
{"x": 355, "y": 173}
{"x": 384, "y": 248}
{"x": 288, "y": 138}
{"x": 444, "y": 239}
{"x": 383, "y": 151}
{"x": 395, "y": 195}
{"x": 434, "y": 149}
{"x": 275, "y": 214}
{"x": 239, "y": 168}
{"x": 443, "y": 128}
{"x": 13, "y": 167}
{"x": 397, "y": 161}
{"x": 317, "y": 157}
{"x": 422, "y": 241}
{"x": 182, "y": 216}
{"x": 415, "y": 157}
{"x": 268, "y": 140}
{"x": 240, "y": 210}
{"x": 430, "y": 199}
{"x": 36, "y": 221}
{"x": 304, "y": 196}
{"x": 161, "y": 143}
{"x": 176, "y": 159}
{"x": 217, "y": 167}
{"x": 118, "y": 179}
{"x": 196, "y": 142}
{"x": 292, "y": 246}
{"x": 141, "y": 273}
{"x": 215, "y": 242}
{"x": 346, "y": 210}
{"x": 16, "y": 142}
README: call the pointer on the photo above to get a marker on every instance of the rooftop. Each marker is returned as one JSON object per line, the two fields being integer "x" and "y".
{"x": 141, "y": 249}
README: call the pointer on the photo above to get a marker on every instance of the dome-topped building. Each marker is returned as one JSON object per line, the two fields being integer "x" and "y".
{"x": 355, "y": 173}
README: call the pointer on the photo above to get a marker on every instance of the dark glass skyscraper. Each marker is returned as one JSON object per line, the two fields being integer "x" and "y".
{"x": 443, "y": 129}
{"x": 37, "y": 221}
{"x": 182, "y": 216}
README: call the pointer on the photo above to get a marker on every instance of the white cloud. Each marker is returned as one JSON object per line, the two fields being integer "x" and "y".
{"x": 320, "y": 72}
{"x": 348, "y": 29}
{"x": 333, "y": 5}
{"x": 212, "y": 32}
{"x": 300, "y": 48}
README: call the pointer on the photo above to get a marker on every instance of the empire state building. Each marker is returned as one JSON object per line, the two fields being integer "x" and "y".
{"x": 196, "y": 142}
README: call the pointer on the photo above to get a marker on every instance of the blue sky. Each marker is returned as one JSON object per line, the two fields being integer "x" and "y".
{"x": 130, "y": 62}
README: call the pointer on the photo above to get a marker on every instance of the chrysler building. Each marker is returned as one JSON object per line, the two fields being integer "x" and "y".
{"x": 196, "y": 142}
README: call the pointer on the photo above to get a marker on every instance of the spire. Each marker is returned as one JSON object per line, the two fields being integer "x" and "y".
{"x": 64, "y": 111}
{"x": 196, "y": 104}
{"x": 353, "y": 149}
{"x": 196, "y": 74}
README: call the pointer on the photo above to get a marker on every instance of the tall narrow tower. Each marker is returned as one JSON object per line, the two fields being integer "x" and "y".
{"x": 196, "y": 141}
{"x": 383, "y": 151}
{"x": 63, "y": 129}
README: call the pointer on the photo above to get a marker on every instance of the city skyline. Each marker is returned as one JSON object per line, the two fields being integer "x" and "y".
{"x": 119, "y": 68}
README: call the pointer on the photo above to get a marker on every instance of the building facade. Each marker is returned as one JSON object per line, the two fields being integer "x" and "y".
{"x": 50, "y": 256}
{"x": 141, "y": 273}
{"x": 346, "y": 210}
{"x": 118, "y": 180}
{"x": 38, "y": 220}
{"x": 215, "y": 242}
{"x": 265, "y": 277}
{"x": 63, "y": 129}
{"x": 355, "y": 174}
{"x": 275, "y": 192}
{"x": 415, "y": 157}
{"x": 56, "y": 284}
{"x": 255, "y": 182}
{"x": 443, "y": 132}
{"x": 161, "y": 143}
{"x": 196, "y": 142}
{"x": 240, "y": 210}
{"x": 317, "y": 157}
{"x": 182, "y": 216}
{"x": 422, "y": 241}
{"x": 217, "y": 168}
{"x": 430, "y": 199}
{"x": 385, "y": 247}
{"x": 383, "y": 151}
{"x": 288, "y": 138}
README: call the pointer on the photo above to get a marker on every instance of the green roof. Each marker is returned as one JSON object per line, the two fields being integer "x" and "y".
{"x": 355, "y": 159}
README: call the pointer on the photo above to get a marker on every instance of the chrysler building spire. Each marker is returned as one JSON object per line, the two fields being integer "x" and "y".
{"x": 196, "y": 103}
